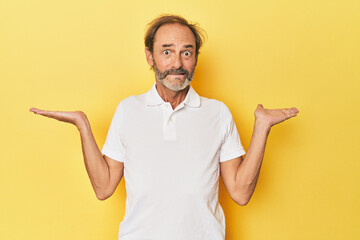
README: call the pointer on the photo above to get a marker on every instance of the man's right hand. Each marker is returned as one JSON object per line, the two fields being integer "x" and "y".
{"x": 69, "y": 117}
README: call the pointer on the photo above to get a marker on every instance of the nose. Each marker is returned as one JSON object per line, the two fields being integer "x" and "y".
{"x": 176, "y": 61}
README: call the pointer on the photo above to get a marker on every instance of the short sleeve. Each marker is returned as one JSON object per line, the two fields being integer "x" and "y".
{"x": 231, "y": 146}
{"x": 113, "y": 147}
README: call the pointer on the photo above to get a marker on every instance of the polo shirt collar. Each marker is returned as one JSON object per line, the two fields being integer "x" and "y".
{"x": 153, "y": 98}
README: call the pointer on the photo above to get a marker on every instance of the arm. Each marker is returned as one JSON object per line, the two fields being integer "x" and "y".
{"x": 240, "y": 176}
{"x": 104, "y": 172}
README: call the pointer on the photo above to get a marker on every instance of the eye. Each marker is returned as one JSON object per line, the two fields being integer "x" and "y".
{"x": 187, "y": 53}
{"x": 166, "y": 52}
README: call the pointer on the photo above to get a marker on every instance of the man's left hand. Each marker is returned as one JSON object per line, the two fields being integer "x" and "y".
{"x": 270, "y": 117}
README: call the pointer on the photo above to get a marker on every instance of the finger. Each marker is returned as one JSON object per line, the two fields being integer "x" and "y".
{"x": 40, "y": 112}
{"x": 34, "y": 110}
{"x": 289, "y": 112}
{"x": 37, "y": 111}
{"x": 295, "y": 109}
{"x": 260, "y": 106}
{"x": 51, "y": 114}
{"x": 292, "y": 113}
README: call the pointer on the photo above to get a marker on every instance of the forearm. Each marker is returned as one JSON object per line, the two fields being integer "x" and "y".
{"x": 248, "y": 171}
{"x": 96, "y": 166}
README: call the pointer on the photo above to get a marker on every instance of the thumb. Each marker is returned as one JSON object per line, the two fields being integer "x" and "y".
{"x": 260, "y": 106}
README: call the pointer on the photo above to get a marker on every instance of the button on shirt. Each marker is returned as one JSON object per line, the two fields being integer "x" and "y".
{"x": 171, "y": 165}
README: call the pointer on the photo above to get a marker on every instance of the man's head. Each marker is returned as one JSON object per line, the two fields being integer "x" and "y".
{"x": 172, "y": 47}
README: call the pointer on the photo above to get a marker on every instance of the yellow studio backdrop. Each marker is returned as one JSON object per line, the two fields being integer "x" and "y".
{"x": 89, "y": 55}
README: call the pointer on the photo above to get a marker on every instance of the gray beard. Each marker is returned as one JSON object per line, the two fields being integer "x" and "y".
{"x": 161, "y": 77}
{"x": 175, "y": 87}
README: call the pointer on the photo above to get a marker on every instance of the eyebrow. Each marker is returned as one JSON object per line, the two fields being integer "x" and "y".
{"x": 167, "y": 45}
{"x": 171, "y": 45}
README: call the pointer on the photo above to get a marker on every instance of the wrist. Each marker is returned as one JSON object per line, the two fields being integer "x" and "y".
{"x": 261, "y": 125}
{"x": 81, "y": 120}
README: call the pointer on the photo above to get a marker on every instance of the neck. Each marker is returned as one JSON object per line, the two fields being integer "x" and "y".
{"x": 173, "y": 97}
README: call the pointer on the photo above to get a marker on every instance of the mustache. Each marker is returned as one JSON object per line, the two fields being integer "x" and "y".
{"x": 162, "y": 75}
{"x": 180, "y": 70}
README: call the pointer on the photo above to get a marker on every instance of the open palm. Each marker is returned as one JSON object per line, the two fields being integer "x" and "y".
{"x": 274, "y": 116}
{"x": 70, "y": 117}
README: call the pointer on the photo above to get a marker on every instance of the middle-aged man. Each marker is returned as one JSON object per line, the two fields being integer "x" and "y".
{"x": 171, "y": 145}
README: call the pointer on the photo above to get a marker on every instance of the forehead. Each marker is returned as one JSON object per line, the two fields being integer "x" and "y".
{"x": 174, "y": 33}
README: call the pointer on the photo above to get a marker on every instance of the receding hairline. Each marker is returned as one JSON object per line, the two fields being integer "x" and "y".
{"x": 190, "y": 45}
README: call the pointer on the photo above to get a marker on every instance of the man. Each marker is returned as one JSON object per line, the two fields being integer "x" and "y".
{"x": 171, "y": 145}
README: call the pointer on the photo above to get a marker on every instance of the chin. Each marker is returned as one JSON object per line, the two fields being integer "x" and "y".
{"x": 175, "y": 86}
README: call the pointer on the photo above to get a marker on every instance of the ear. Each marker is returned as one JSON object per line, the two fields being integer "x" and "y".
{"x": 149, "y": 57}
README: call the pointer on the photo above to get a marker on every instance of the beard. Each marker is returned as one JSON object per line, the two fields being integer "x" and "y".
{"x": 174, "y": 85}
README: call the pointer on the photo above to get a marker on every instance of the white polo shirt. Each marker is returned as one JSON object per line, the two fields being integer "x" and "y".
{"x": 171, "y": 165}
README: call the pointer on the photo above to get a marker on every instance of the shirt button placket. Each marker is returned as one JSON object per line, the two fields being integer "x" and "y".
{"x": 169, "y": 123}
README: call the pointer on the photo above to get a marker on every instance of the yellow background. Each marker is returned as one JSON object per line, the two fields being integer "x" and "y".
{"x": 89, "y": 55}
